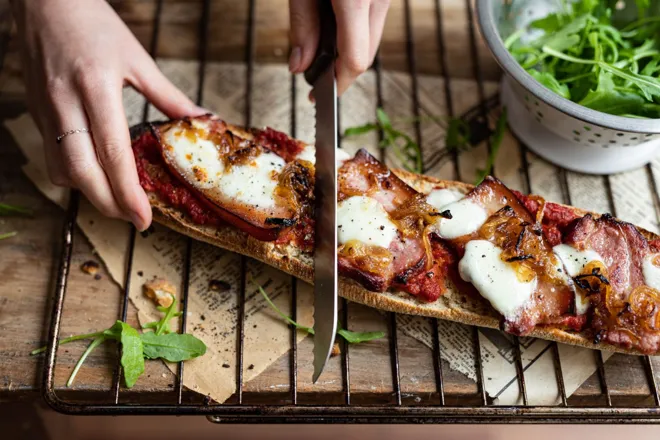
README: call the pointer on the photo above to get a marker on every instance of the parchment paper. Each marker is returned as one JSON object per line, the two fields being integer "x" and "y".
{"x": 213, "y": 315}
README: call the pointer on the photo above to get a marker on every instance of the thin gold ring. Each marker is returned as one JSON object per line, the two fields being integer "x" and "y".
{"x": 66, "y": 133}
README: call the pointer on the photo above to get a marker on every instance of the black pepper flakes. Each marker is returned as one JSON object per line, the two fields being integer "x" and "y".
{"x": 225, "y": 365}
{"x": 140, "y": 273}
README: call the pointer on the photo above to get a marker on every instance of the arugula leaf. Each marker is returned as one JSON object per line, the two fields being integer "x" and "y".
{"x": 172, "y": 347}
{"x": 8, "y": 235}
{"x": 495, "y": 143}
{"x": 351, "y": 337}
{"x": 357, "y": 337}
{"x": 362, "y": 129}
{"x": 406, "y": 150}
{"x": 132, "y": 357}
{"x": 162, "y": 326}
{"x": 548, "y": 80}
{"x": 592, "y": 37}
{"x": 282, "y": 314}
{"x": 95, "y": 343}
{"x": 6, "y": 209}
{"x": 135, "y": 347}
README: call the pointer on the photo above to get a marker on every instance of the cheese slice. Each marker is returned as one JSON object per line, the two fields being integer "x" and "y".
{"x": 363, "y": 219}
{"x": 496, "y": 280}
{"x": 651, "y": 271}
{"x": 466, "y": 218}
{"x": 246, "y": 188}
{"x": 439, "y": 198}
{"x": 574, "y": 262}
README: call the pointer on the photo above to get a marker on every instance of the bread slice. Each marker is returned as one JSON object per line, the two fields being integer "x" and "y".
{"x": 453, "y": 305}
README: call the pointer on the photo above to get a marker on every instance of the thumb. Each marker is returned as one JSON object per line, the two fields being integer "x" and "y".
{"x": 304, "y": 33}
{"x": 164, "y": 95}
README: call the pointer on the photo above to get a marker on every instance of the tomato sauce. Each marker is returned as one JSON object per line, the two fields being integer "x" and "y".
{"x": 154, "y": 177}
{"x": 429, "y": 285}
{"x": 556, "y": 218}
{"x": 279, "y": 143}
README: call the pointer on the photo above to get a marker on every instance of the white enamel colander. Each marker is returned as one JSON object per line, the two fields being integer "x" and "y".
{"x": 555, "y": 128}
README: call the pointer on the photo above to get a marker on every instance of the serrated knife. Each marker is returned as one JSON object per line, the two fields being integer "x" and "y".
{"x": 321, "y": 76}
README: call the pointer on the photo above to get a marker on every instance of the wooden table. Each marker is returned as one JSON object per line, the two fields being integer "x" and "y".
{"x": 28, "y": 261}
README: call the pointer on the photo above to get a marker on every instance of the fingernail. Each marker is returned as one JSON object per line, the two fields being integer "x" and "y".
{"x": 138, "y": 222}
{"x": 294, "y": 59}
{"x": 199, "y": 111}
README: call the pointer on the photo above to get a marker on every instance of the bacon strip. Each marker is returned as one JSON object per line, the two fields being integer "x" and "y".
{"x": 410, "y": 269}
{"x": 623, "y": 250}
{"x": 511, "y": 227}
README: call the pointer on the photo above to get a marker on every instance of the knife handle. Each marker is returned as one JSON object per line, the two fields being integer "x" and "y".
{"x": 327, "y": 49}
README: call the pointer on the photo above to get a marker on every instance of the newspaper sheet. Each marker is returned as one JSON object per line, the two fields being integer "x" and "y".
{"x": 213, "y": 316}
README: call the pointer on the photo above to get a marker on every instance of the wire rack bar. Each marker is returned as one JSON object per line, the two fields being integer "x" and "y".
{"x": 346, "y": 412}
{"x": 153, "y": 46}
{"x": 394, "y": 348}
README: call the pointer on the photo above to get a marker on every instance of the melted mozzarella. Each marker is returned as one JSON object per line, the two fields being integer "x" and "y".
{"x": 439, "y": 198}
{"x": 254, "y": 182}
{"x": 341, "y": 156}
{"x": 364, "y": 219}
{"x": 651, "y": 272}
{"x": 467, "y": 217}
{"x": 308, "y": 153}
{"x": 198, "y": 160}
{"x": 574, "y": 263}
{"x": 495, "y": 279}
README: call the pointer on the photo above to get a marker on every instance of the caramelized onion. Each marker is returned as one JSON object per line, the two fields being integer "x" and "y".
{"x": 373, "y": 259}
{"x": 295, "y": 185}
{"x": 643, "y": 303}
{"x": 521, "y": 247}
{"x": 414, "y": 218}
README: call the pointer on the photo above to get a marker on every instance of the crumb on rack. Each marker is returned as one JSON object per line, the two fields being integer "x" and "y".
{"x": 335, "y": 350}
{"x": 90, "y": 267}
{"x": 160, "y": 291}
{"x": 219, "y": 286}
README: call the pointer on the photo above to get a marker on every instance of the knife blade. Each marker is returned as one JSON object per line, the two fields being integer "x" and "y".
{"x": 321, "y": 76}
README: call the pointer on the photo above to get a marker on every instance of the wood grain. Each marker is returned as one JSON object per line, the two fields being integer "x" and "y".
{"x": 28, "y": 261}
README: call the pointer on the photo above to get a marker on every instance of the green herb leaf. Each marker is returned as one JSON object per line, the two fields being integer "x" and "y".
{"x": 351, "y": 337}
{"x": 548, "y": 80}
{"x": 357, "y": 337}
{"x": 6, "y": 209}
{"x": 362, "y": 129}
{"x": 172, "y": 347}
{"x": 383, "y": 119}
{"x": 162, "y": 326}
{"x": 590, "y": 38}
{"x": 8, "y": 235}
{"x": 282, "y": 314}
{"x": 95, "y": 343}
{"x": 132, "y": 357}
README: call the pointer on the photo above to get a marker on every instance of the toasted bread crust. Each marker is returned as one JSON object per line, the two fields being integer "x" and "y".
{"x": 453, "y": 306}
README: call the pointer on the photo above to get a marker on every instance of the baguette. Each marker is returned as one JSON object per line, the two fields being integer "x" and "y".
{"x": 453, "y": 305}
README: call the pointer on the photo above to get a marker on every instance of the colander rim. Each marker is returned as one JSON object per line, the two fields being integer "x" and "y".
{"x": 510, "y": 65}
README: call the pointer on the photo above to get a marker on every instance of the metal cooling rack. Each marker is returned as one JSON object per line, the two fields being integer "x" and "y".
{"x": 345, "y": 412}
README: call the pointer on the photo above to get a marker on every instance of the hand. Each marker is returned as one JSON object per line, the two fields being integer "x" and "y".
{"x": 77, "y": 57}
{"x": 359, "y": 29}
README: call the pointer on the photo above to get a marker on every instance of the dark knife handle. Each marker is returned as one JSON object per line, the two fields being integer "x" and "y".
{"x": 327, "y": 50}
